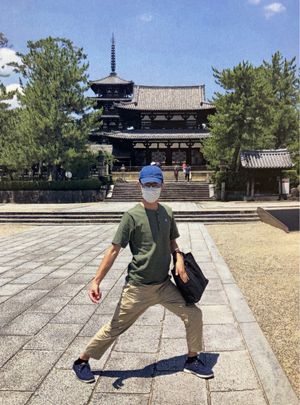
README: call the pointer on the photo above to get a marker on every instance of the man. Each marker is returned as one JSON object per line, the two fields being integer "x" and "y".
{"x": 151, "y": 232}
{"x": 176, "y": 172}
{"x": 188, "y": 172}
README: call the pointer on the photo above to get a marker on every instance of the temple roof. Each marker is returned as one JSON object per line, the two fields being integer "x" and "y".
{"x": 113, "y": 78}
{"x": 174, "y": 98}
{"x": 157, "y": 135}
{"x": 266, "y": 159}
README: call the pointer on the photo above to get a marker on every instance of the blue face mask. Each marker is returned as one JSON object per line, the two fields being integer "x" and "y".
{"x": 151, "y": 194}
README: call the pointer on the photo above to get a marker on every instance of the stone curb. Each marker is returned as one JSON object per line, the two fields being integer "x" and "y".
{"x": 275, "y": 383}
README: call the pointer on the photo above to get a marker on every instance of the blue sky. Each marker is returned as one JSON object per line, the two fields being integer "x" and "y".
{"x": 159, "y": 42}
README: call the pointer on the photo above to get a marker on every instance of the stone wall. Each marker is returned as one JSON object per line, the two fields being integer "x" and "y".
{"x": 51, "y": 196}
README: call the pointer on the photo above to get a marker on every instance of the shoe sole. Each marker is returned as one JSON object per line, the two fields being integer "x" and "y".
{"x": 84, "y": 381}
{"x": 206, "y": 376}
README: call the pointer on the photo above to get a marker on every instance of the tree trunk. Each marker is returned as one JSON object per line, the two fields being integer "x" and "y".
{"x": 54, "y": 172}
{"x": 40, "y": 170}
{"x": 49, "y": 173}
{"x": 235, "y": 158}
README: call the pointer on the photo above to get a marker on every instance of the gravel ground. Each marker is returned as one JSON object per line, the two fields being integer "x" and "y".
{"x": 10, "y": 229}
{"x": 265, "y": 263}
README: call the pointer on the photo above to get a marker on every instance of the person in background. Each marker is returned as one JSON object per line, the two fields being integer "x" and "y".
{"x": 176, "y": 172}
{"x": 183, "y": 168}
{"x": 123, "y": 171}
{"x": 187, "y": 172}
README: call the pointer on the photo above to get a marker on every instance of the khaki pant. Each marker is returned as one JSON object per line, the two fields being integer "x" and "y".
{"x": 134, "y": 301}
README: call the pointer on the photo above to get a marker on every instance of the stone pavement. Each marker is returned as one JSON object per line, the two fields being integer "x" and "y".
{"x": 46, "y": 318}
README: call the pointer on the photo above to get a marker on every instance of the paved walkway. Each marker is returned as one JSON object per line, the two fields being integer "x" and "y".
{"x": 46, "y": 319}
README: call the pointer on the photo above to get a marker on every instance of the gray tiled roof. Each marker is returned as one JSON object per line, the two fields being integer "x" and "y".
{"x": 174, "y": 98}
{"x": 159, "y": 135}
{"x": 266, "y": 159}
{"x": 111, "y": 79}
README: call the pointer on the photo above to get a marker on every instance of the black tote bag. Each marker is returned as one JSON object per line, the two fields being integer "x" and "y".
{"x": 192, "y": 290}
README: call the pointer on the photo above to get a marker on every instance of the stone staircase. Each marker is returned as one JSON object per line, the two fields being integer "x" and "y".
{"x": 172, "y": 191}
{"x": 92, "y": 218}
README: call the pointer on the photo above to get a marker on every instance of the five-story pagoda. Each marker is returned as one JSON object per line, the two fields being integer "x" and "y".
{"x": 165, "y": 124}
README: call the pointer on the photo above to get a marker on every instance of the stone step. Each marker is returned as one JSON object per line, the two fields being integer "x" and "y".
{"x": 118, "y": 217}
{"x": 119, "y": 213}
{"x": 65, "y": 218}
{"x": 172, "y": 191}
{"x": 53, "y": 221}
{"x": 163, "y": 199}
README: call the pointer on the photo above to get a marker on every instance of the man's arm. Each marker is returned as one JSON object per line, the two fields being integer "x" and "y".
{"x": 179, "y": 266}
{"x": 104, "y": 267}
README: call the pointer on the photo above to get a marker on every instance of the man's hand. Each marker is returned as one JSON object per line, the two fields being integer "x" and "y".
{"x": 94, "y": 292}
{"x": 180, "y": 271}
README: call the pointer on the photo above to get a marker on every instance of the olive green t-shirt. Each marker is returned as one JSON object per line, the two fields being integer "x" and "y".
{"x": 148, "y": 233}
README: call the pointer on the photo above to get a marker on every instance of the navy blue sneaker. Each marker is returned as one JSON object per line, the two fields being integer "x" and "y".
{"x": 198, "y": 368}
{"x": 83, "y": 372}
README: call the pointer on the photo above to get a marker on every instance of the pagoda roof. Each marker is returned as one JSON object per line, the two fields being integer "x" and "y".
{"x": 167, "y": 98}
{"x": 113, "y": 79}
{"x": 157, "y": 135}
{"x": 266, "y": 159}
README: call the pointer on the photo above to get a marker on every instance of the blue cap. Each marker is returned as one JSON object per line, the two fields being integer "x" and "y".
{"x": 151, "y": 174}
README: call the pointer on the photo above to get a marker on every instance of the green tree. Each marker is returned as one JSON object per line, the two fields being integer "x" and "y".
{"x": 108, "y": 159}
{"x": 281, "y": 74}
{"x": 256, "y": 111}
{"x": 12, "y": 155}
{"x": 4, "y": 96}
{"x": 55, "y": 115}
{"x": 242, "y": 115}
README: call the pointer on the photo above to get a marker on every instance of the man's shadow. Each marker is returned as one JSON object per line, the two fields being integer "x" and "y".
{"x": 162, "y": 367}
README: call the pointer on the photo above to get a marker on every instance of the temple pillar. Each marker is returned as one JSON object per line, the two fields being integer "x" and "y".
{"x": 252, "y": 187}
{"x": 132, "y": 155}
{"x": 148, "y": 152}
{"x": 168, "y": 153}
{"x": 189, "y": 152}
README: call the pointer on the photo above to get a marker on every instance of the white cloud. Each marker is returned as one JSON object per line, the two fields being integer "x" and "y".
{"x": 146, "y": 17}
{"x": 7, "y": 55}
{"x": 273, "y": 8}
{"x": 255, "y": 2}
{"x": 14, "y": 103}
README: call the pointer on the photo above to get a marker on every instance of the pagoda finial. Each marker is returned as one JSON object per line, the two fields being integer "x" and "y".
{"x": 113, "y": 55}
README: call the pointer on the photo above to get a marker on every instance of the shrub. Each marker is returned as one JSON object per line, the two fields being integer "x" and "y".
{"x": 82, "y": 165}
{"x": 234, "y": 181}
{"x": 87, "y": 184}
{"x": 293, "y": 176}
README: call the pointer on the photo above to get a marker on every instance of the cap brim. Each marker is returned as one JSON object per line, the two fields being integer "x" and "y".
{"x": 150, "y": 180}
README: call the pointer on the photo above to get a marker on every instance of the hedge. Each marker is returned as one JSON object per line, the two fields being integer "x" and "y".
{"x": 293, "y": 176}
{"x": 86, "y": 184}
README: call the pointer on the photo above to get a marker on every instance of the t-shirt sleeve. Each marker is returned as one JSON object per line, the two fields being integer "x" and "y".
{"x": 174, "y": 234}
{"x": 124, "y": 231}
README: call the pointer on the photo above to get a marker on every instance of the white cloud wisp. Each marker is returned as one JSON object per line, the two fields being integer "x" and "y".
{"x": 146, "y": 17}
{"x": 274, "y": 8}
{"x": 14, "y": 103}
{"x": 7, "y": 55}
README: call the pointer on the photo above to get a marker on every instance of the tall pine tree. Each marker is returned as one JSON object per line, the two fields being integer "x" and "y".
{"x": 12, "y": 155}
{"x": 257, "y": 110}
{"x": 242, "y": 116}
{"x": 281, "y": 74}
{"x": 55, "y": 115}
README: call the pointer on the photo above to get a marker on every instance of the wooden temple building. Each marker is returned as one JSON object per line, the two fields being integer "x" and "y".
{"x": 264, "y": 171}
{"x": 165, "y": 124}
